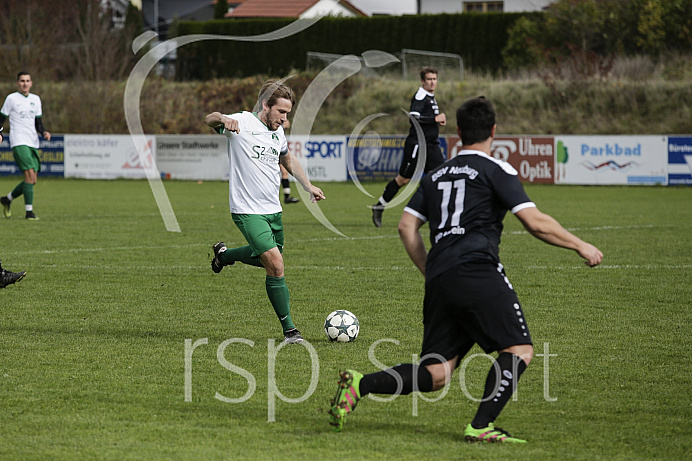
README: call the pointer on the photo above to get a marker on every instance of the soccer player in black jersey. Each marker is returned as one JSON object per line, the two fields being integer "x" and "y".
{"x": 425, "y": 111}
{"x": 468, "y": 298}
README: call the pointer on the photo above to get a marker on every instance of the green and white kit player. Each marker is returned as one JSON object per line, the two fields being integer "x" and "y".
{"x": 256, "y": 146}
{"x": 24, "y": 111}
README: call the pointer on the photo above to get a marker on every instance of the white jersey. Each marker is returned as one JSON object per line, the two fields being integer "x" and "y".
{"x": 253, "y": 159}
{"x": 22, "y": 112}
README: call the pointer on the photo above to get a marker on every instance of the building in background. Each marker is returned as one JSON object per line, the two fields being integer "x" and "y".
{"x": 401, "y": 7}
{"x": 293, "y": 9}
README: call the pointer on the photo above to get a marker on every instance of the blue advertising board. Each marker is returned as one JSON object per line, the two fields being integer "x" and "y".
{"x": 51, "y": 153}
{"x": 680, "y": 160}
{"x": 378, "y": 158}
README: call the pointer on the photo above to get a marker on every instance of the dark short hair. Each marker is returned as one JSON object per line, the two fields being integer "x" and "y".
{"x": 23, "y": 72}
{"x": 427, "y": 70}
{"x": 273, "y": 90}
{"x": 475, "y": 120}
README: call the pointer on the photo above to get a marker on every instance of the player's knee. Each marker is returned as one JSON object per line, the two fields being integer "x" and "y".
{"x": 273, "y": 262}
{"x": 523, "y": 351}
{"x": 441, "y": 374}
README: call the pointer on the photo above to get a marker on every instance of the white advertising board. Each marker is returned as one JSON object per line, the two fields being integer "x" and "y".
{"x": 199, "y": 157}
{"x": 322, "y": 156}
{"x": 93, "y": 156}
{"x": 622, "y": 160}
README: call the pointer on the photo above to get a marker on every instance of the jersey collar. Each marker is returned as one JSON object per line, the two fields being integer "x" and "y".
{"x": 256, "y": 114}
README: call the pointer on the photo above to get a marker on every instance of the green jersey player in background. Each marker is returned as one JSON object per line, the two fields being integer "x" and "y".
{"x": 256, "y": 146}
{"x": 24, "y": 111}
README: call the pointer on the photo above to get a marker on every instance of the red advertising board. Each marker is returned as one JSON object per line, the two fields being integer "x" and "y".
{"x": 532, "y": 156}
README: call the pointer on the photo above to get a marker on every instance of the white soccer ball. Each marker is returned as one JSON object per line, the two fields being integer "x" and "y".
{"x": 341, "y": 326}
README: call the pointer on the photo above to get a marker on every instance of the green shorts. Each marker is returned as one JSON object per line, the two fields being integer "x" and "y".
{"x": 262, "y": 231}
{"x": 26, "y": 158}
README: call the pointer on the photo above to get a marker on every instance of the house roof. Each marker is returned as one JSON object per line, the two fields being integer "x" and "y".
{"x": 280, "y": 8}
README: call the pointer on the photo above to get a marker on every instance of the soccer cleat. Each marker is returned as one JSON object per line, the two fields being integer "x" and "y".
{"x": 216, "y": 264}
{"x": 346, "y": 399}
{"x": 293, "y": 336}
{"x": 290, "y": 199}
{"x": 31, "y": 216}
{"x": 490, "y": 434}
{"x": 8, "y": 278}
{"x": 377, "y": 210}
{"x": 6, "y": 206}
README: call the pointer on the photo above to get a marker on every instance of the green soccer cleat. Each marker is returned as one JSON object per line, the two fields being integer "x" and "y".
{"x": 346, "y": 399}
{"x": 6, "y": 206}
{"x": 490, "y": 434}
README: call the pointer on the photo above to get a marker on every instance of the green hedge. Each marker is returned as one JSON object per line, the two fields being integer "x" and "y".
{"x": 477, "y": 38}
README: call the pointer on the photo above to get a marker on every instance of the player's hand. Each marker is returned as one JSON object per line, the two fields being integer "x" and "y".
{"x": 231, "y": 124}
{"x": 46, "y": 135}
{"x": 316, "y": 194}
{"x": 441, "y": 119}
{"x": 591, "y": 254}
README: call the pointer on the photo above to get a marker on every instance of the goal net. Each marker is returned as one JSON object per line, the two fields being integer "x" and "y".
{"x": 450, "y": 67}
{"x": 316, "y": 61}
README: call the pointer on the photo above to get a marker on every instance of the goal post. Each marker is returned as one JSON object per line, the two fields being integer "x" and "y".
{"x": 450, "y": 66}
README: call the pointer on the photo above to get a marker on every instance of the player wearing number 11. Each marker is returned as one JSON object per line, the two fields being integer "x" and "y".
{"x": 468, "y": 298}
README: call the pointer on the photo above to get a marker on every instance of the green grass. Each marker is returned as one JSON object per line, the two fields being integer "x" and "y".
{"x": 92, "y": 341}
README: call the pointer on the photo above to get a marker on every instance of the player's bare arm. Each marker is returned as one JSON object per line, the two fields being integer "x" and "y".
{"x": 216, "y": 119}
{"x": 544, "y": 227}
{"x": 293, "y": 167}
{"x": 409, "y": 232}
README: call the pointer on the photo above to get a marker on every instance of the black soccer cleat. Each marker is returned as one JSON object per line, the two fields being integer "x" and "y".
{"x": 31, "y": 216}
{"x": 377, "y": 210}
{"x": 8, "y": 278}
{"x": 293, "y": 336}
{"x": 216, "y": 264}
{"x": 290, "y": 199}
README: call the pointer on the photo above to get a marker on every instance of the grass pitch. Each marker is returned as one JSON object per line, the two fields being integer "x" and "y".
{"x": 96, "y": 342}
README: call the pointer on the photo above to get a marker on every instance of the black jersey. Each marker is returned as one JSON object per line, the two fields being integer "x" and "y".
{"x": 464, "y": 201}
{"x": 424, "y": 109}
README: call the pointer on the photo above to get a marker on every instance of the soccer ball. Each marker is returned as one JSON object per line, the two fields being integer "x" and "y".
{"x": 341, "y": 326}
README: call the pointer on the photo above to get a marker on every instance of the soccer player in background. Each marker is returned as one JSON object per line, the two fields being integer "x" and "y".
{"x": 468, "y": 298}
{"x": 425, "y": 111}
{"x": 24, "y": 111}
{"x": 256, "y": 146}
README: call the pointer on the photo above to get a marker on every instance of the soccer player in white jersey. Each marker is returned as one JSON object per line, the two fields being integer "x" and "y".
{"x": 256, "y": 146}
{"x": 468, "y": 298}
{"x": 24, "y": 111}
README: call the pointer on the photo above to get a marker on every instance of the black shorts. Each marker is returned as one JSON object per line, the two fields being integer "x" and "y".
{"x": 471, "y": 304}
{"x": 433, "y": 157}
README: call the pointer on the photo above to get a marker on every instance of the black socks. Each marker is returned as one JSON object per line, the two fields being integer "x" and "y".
{"x": 499, "y": 386}
{"x": 387, "y": 381}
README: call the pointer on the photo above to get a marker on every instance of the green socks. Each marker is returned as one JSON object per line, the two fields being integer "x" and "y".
{"x": 276, "y": 286}
{"x": 28, "y": 193}
{"x": 18, "y": 190}
{"x": 241, "y": 254}
{"x": 26, "y": 189}
{"x": 278, "y": 295}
